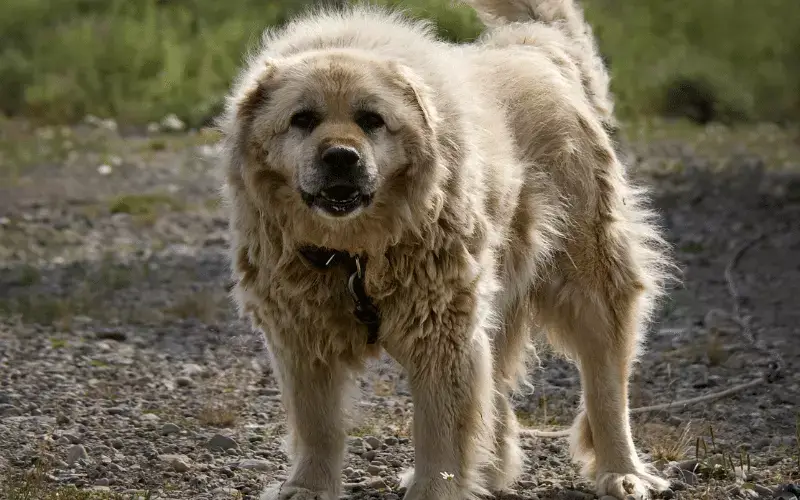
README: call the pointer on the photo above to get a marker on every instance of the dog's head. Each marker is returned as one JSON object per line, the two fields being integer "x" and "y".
{"x": 336, "y": 133}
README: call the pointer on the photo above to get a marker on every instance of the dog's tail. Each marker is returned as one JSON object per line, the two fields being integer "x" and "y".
{"x": 566, "y": 16}
{"x": 565, "y": 13}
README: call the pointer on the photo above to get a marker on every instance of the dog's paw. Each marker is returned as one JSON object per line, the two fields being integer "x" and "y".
{"x": 639, "y": 485}
{"x": 282, "y": 492}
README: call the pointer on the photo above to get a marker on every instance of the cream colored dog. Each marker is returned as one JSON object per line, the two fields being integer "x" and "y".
{"x": 443, "y": 203}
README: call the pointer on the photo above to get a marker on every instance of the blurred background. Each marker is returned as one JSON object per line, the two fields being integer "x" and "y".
{"x": 138, "y": 60}
{"x": 126, "y": 374}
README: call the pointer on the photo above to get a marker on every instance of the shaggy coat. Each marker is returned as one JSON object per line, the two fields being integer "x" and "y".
{"x": 498, "y": 210}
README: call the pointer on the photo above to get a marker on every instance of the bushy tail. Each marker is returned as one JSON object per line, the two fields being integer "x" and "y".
{"x": 562, "y": 12}
{"x": 567, "y": 16}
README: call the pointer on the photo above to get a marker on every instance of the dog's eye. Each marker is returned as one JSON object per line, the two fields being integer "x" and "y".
{"x": 369, "y": 121}
{"x": 305, "y": 120}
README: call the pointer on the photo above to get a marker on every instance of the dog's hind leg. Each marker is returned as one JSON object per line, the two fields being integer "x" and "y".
{"x": 595, "y": 310}
{"x": 601, "y": 337}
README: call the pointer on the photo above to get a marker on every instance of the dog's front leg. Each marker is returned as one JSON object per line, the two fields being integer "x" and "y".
{"x": 451, "y": 382}
{"x": 312, "y": 393}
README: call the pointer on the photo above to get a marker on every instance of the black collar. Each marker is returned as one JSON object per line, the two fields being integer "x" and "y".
{"x": 365, "y": 311}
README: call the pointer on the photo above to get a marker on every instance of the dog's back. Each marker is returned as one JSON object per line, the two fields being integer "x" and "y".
{"x": 558, "y": 28}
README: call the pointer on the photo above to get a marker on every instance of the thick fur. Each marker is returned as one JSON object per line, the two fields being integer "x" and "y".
{"x": 501, "y": 211}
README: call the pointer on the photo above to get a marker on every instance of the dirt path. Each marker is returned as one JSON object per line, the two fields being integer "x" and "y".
{"x": 124, "y": 371}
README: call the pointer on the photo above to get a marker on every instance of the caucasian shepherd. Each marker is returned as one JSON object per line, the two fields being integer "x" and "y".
{"x": 444, "y": 203}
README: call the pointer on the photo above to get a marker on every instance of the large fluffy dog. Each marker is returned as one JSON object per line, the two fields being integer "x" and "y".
{"x": 443, "y": 203}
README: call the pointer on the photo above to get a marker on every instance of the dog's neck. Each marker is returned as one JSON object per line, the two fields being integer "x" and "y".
{"x": 365, "y": 311}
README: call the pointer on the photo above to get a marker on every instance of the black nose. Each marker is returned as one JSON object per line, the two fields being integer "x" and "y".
{"x": 340, "y": 157}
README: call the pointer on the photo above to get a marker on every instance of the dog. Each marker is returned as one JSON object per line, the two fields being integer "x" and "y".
{"x": 444, "y": 203}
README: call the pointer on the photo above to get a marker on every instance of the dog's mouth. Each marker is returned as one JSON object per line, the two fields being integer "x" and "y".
{"x": 338, "y": 201}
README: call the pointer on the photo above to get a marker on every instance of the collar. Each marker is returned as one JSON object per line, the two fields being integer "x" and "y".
{"x": 365, "y": 310}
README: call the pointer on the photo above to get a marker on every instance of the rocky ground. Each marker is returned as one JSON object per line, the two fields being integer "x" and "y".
{"x": 124, "y": 372}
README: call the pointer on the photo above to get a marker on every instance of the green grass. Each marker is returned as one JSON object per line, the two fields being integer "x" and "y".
{"x": 746, "y": 52}
{"x": 145, "y": 207}
{"x": 143, "y": 59}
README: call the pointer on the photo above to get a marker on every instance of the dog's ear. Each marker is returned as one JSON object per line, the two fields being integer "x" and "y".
{"x": 256, "y": 95}
{"x": 416, "y": 91}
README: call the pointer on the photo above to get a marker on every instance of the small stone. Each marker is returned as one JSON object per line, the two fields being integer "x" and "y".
{"x": 103, "y": 481}
{"x": 180, "y": 466}
{"x": 221, "y": 442}
{"x": 178, "y": 463}
{"x": 375, "y": 470}
{"x": 76, "y": 453}
{"x": 169, "y": 428}
{"x": 225, "y": 493}
{"x": 254, "y": 464}
{"x": 356, "y": 446}
{"x": 376, "y": 483}
{"x": 687, "y": 477}
{"x": 373, "y": 442}
{"x": 183, "y": 382}
{"x": 117, "y": 410}
{"x": 667, "y": 494}
{"x": 110, "y": 334}
{"x": 8, "y": 410}
{"x": 71, "y": 437}
{"x": 688, "y": 465}
{"x": 104, "y": 169}
{"x": 390, "y": 441}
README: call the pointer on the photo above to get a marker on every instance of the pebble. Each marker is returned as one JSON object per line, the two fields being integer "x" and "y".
{"x": 184, "y": 382}
{"x": 373, "y": 442}
{"x": 225, "y": 493}
{"x": 76, "y": 453}
{"x": 375, "y": 470}
{"x": 107, "y": 334}
{"x": 8, "y": 410}
{"x": 178, "y": 463}
{"x": 169, "y": 428}
{"x": 375, "y": 483}
{"x": 221, "y": 442}
{"x": 72, "y": 438}
{"x": 254, "y": 464}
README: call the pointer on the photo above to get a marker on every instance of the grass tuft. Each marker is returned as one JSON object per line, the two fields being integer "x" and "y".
{"x": 672, "y": 446}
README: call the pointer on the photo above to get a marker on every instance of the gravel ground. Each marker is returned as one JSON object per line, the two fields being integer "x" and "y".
{"x": 124, "y": 372}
